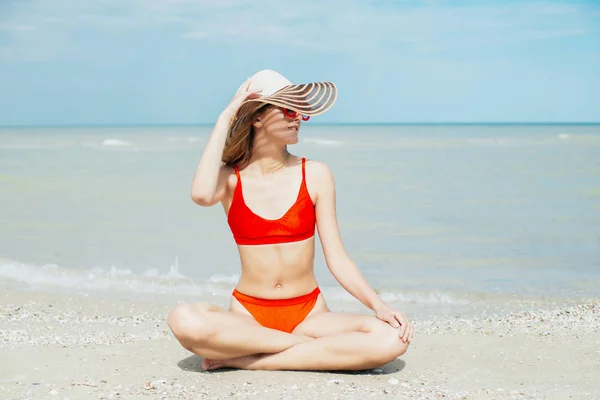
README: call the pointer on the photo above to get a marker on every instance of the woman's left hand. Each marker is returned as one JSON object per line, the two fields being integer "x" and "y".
{"x": 396, "y": 319}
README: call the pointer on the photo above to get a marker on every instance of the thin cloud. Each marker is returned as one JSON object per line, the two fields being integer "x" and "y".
{"x": 208, "y": 3}
{"x": 195, "y": 35}
{"x": 551, "y": 34}
{"x": 351, "y": 27}
{"x": 361, "y": 26}
{"x": 16, "y": 28}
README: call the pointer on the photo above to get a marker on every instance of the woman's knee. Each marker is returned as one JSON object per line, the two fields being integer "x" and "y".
{"x": 389, "y": 344}
{"x": 189, "y": 322}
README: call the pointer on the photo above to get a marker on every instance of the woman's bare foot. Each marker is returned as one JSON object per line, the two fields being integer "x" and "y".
{"x": 209, "y": 365}
{"x": 244, "y": 362}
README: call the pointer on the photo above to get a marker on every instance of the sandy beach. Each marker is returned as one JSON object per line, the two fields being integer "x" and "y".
{"x": 56, "y": 346}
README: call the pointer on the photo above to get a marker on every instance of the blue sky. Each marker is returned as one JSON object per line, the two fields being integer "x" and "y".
{"x": 180, "y": 61}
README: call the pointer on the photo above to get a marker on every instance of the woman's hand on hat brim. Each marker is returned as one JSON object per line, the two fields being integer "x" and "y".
{"x": 242, "y": 95}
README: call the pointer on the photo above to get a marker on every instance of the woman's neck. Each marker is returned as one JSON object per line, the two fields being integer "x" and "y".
{"x": 269, "y": 160}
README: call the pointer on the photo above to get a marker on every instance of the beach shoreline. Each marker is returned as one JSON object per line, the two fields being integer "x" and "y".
{"x": 67, "y": 346}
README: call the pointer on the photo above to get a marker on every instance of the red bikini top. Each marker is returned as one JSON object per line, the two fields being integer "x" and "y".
{"x": 298, "y": 223}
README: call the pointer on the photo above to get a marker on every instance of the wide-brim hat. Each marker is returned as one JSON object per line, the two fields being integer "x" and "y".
{"x": 305, "y": 98}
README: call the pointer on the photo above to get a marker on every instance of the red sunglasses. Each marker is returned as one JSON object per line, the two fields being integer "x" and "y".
{"x": 292, "y": 114}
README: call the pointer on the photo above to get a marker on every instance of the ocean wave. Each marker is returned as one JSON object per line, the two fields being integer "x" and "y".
{"x": 230, "y": 279}
{"x": 115, "y": 143}
{"x": 111, "y": 279}
{"x": 401, "y": 297}
{"x": 422, "y": 298}
{"x": 172, "y": 283}
{"x": 323, "y": 142}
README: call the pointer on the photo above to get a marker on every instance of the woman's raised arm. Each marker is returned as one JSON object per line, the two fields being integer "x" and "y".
{"x": 210, "y": 179}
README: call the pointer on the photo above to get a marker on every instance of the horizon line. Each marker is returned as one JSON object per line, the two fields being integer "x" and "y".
{"x": 207, "y": 124}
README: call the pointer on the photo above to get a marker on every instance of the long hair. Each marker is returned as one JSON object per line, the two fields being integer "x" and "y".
{"x": 240, "y": 135}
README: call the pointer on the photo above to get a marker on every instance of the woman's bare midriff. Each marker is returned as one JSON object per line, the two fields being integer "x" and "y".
{"x": 277, "y": 271}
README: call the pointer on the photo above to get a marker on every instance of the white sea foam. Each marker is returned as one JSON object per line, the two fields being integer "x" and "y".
{"x": 109, "y": 279}
{"x": 323, "y": 142}
{"x": 231, "y": 279}
{"x": 115, "y": 143}
{"x": 423, "y": 298}
{"x": 170, "y": 282}
{"x": 405, "y": 296}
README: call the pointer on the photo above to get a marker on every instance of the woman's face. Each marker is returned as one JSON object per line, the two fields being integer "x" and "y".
{"x": 277, "y": 125}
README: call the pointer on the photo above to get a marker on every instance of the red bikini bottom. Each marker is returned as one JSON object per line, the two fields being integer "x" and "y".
{"x": 281, "y": 314}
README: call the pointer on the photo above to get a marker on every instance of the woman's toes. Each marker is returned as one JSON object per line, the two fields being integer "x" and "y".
{"x": 209, "y": 365}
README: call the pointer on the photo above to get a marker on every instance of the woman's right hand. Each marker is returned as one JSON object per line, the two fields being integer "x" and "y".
{"x": 243, "y": 93}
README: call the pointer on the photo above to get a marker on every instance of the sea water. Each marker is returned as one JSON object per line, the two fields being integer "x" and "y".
{"x": 439, "y": 218}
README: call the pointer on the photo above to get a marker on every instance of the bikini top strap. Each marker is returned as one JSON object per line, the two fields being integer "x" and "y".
{"x": 237, "y": 173}
{"x": 303, "y": 172}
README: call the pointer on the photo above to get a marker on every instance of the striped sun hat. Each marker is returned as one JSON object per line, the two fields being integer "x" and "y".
{"x": 305, "y": 98}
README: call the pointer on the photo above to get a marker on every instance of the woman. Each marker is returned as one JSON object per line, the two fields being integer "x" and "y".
{"x": 277, "y": 318}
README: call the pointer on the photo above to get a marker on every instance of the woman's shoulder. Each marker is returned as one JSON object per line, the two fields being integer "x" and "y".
{"x": 318, "y": 173}
{"x": 317, "y": 167}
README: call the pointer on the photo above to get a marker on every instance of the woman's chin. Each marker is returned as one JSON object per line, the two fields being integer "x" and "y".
{"x": 292, "y": 140}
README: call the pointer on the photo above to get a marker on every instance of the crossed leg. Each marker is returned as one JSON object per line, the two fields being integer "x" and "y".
{"x": 323, "y": 341}
{"x": 212, "y": 332}
{"x": 341, "y": 342}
